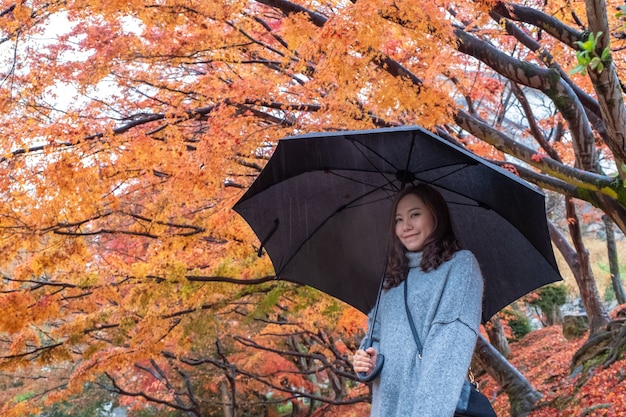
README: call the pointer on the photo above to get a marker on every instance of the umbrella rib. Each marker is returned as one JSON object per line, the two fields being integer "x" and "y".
{"x": 478, "y": 202}
{"x": 385, "y": 175}
{"x": 405, "y": 174}
{"x": 391, "y": 191}
{"x": 461, "y": 166}
{"x": 343, "y": 207}
{"x": 382, "y": 158}
{"x": 345, "y": 177}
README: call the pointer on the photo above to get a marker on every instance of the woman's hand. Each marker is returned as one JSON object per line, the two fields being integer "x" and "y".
{"x": 364, "y": 361}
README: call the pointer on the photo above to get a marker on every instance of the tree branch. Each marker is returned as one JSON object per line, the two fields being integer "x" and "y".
{"x": 502, "y": 142}
{"x": 537, "y": 18}
{"x": 546, "y": 80}
{"x": 119, "y": 390}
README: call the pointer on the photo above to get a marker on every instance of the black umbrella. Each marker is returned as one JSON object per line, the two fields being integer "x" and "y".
{"x": 321, "y": 207}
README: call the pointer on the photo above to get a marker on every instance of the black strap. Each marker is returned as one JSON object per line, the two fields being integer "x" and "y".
{"x": 411, "y": 323}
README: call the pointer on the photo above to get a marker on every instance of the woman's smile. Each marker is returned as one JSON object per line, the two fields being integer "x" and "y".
{"x": 414, "y": 223}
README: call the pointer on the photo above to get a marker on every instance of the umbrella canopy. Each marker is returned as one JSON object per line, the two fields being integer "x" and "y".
{"x": 321, "y": 210}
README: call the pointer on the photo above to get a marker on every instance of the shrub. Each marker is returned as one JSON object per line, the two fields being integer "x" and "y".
{"x": 517, "y": 322}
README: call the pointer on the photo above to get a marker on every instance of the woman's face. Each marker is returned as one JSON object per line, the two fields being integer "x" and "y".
{"x": 415, "y": 223}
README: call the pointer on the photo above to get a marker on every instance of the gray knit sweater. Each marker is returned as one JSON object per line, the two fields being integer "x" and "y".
{"x": 446, "y": 308}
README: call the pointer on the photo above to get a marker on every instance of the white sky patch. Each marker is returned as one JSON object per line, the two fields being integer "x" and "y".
{"x": 132, "y": 25}
{"x": 58, "y": 24}
{"x": 63, "y": 96}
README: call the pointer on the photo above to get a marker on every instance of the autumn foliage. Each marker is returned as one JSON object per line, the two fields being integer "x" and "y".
{"x": 544, "y": 356}
{"x": 130, "y": 128}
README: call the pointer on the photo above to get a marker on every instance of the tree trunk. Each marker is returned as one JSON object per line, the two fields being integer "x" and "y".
{"x": 578, "y": 262}
{"x": 606, "y": 84}
{"x": 554, "y": 316}
{"x": 496, "y": 336}
{"x": 522, "y": 396}
{"x": 598, "y": 316}
{"x": 611, "y": 250}
{"x": 229, "y": 410}
{"x": 613, "y": 208}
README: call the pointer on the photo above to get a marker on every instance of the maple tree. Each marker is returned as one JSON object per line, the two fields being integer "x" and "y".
{"x": 130, "y": 128}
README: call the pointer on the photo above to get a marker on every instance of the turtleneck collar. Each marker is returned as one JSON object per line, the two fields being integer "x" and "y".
{"x": 414, "y": 259}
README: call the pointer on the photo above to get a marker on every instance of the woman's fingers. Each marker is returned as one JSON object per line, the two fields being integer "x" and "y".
{"x": 362, "y": 360}
{"x": 373, "y": 356}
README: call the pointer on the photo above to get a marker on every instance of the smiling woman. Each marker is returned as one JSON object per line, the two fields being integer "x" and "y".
{"x": 429, "y": 313}
{"x": 129, "y": 128}
{"x": 414, "y": 222}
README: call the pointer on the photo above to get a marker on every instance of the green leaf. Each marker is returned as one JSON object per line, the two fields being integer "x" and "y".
{"x": 579, "y": 69}
{"x": 583, "y": 58}
{"x": 595, "y": 63}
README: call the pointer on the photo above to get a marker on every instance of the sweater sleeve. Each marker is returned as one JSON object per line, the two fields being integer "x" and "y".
{"x": 450, "y": 342}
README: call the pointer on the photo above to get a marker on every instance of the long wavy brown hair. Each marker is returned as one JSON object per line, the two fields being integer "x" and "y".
{"x": 441, "y": 245}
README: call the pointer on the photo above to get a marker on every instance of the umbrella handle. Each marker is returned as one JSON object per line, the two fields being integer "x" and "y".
{"x": 380, "y": 359}
{"x": 367, "y": 377}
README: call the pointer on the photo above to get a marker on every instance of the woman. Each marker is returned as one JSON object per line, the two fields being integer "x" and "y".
{"x": 444, "y": 297}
